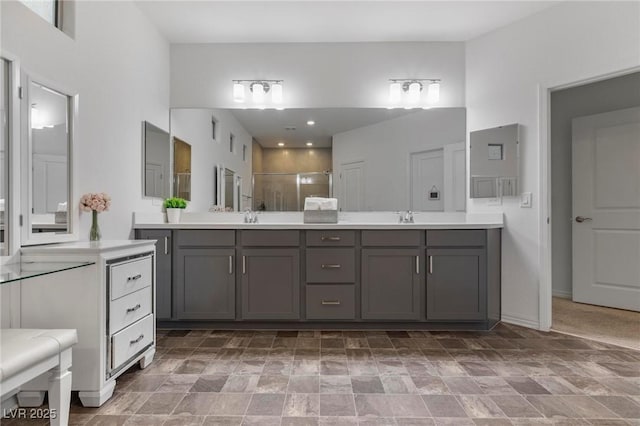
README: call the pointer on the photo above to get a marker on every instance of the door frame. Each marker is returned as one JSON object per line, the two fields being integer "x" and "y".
{"x": 545, "y": 255}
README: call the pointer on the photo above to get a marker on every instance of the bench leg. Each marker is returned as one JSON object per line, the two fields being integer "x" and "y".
{"x": 30, "y": 398}
{"x": 60, "y": 390}
{"x": 147, "y": 358}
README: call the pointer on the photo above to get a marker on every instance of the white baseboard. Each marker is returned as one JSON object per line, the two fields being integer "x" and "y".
{"x": 520, "y": 321}
{"x": 562, "y": 294}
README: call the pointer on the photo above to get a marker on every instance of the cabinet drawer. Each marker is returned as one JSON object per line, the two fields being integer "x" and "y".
{"x": 392, "y": 238}
{"x": 127, "y": 277}
{"x": 456, "y": 238}
{"x": 131, "y": 340}
{"x": 331, "y": 238}
{"x": 205, "y": 238}
{"x": 331, "y": 265}
{"x": 279, "y": 238}
{"x": 331, "y": 302}
{"x": 129, "y": 309}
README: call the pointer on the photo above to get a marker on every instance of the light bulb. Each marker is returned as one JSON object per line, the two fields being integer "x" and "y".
{"x": 433, "y": 93}
{"x": 238, "y": 92}
{"x": 258, "y": 92}
{"x": 414, "y": 92}
{"x": 395, "y": 92}
{"x": 276, "y": 93}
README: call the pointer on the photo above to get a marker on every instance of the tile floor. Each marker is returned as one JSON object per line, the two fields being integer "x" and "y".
{"x": 508, "y": 376}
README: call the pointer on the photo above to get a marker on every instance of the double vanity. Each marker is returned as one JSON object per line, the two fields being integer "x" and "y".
{"x": 366, "y": 271}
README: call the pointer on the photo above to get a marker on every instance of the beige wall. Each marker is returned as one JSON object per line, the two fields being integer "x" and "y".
{"x": 278, "y": 160}
{"x": 256, "y": 157}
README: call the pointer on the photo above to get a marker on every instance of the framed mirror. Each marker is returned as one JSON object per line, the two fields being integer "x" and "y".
{"x": 4, "y": 156}
{"x": 181, "y": 169}
{"x": 156, "y": 155}
{"x": 48, "y": 172}
{"x": 494, "y": 162}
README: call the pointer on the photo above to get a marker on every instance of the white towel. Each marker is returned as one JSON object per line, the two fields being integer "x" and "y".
{"x": 320, "y": 203}
{"x": 62, "y": 207}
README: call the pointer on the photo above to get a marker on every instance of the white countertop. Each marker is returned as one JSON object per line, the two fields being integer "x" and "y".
{"x": 346, "y": 220}
{"x": 86, "y": 247}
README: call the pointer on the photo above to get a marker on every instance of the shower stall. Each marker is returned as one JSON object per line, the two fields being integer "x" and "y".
{"x": 287, "y": 191}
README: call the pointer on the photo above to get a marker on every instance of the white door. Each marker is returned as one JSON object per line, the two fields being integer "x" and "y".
{"x": 153, "y": 179}
{"x": 427, "y": 180}
{"x": 352, "y": 186}
{"x": 455, "y": 177}
{"x": 606, "y": 209}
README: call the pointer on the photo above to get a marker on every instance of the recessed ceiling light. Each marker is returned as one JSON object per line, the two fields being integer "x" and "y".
{"x": 310, "y": 123}
{"x": 309, "y": 143}
{"x": 280, "y": 143}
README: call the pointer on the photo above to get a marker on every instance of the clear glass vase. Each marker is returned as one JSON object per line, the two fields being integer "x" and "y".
{"x": 94, "y": 233}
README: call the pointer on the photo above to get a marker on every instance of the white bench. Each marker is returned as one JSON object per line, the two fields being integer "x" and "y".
{"x": 28, "y": 353}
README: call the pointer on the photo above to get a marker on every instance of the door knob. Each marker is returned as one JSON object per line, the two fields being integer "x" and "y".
{"x": 581, "y": 219}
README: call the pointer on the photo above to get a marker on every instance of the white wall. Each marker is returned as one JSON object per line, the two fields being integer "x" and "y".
{"x": 315, "y": 74}
{"x": 561, "y": 45}
{"x": 119, "y": 65}
{"x": 385, "y": 148}
{"x": 193, "y": 126}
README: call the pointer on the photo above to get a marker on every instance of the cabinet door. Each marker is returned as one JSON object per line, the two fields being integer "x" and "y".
{"x": 205, "y": 283}
{"x": 456, "y": 284}
{"x": 271, "y": 284}
{"x": 163, "y": 269}
{"x": 391, "y": 284}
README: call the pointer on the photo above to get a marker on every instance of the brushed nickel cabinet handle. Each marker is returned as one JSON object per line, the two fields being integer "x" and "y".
{"x": 330, "y": 302}
{"x": 134, "y": 278}
{"x": 166, "y": 245}
{"x": 417, "y": 265}
{"x": 431, "y": 264}
{"x": 133, "y": 342}
{"x": 135, "y": 308}
{"x": 244, "y": 265}
{"x": 323, "y": 238}
{"x": 331, "y": 266}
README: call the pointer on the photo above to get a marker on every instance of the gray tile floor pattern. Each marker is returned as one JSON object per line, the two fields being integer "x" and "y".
{"x": 508, "y": 376}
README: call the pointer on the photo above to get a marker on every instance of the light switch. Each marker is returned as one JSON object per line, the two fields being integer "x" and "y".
{"x": 525, "y": 200}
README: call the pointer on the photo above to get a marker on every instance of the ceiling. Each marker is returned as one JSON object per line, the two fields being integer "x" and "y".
{"x": 268, "y": 126}
{"x": 239, "y": 21}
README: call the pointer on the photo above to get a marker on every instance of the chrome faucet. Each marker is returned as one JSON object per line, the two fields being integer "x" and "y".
{"x": 406, "y": 216}
{"x": 250, "y": 216}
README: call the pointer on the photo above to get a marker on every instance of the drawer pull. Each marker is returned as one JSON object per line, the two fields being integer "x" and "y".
{"x": 134, "y": 278}
{"x": 323, "y": 238}
{"x": 230, "y": 265}
{"x": 140, "y": 337}
{"x": 431, "y": 264}
{"x": 135, "y": 308}
{"x": 331, "y": 266}
{"x": 417, "y": 265}
{"x": 166, "y": 245}
{"x": 330, "y": 302}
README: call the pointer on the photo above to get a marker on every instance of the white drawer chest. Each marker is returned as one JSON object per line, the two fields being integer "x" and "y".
{"x": 111, "y": 303}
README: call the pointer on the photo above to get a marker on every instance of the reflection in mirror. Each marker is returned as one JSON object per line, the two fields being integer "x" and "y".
{"x": 494, "y": 162}
{"x": 182, "y": 169}
{"x": 228, "y": 189}
{"x": 4, "y": 157}
{"x": 157, "y": 160}
{"x": 49, "y": 142}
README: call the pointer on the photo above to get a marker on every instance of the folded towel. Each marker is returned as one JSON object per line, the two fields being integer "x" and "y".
{"x": 320, "y": 203}
{"x": 62, "y": 207}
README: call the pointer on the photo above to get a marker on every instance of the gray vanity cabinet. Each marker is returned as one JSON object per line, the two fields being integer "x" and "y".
{"x": 204, "y": 275}
{"x": 456, "y": 284}
{"x": 163, "y": 269}
{"x": 391, "y": 284}
{"x": 270, "y": 283}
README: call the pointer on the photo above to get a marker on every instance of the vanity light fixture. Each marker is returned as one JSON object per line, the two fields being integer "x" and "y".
{"x": 259, "y": 90}
{"x": 412, "y": 89}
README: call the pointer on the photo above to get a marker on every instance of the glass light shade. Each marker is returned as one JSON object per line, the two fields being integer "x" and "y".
{"x": 395, "y": 92}
{"x": 433, "y": 93}
{"x": 276, "y": 93}
{"x": 258, "y": 92}
{"x": 414, "y": 92}
{"x": 238, "y": 92}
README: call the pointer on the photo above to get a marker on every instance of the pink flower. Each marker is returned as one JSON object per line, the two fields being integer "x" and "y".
{"x": 98, "y": 202}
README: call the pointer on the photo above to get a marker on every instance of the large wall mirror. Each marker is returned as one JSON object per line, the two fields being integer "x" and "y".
{"x": 157, "y": 161}
{"x": 4, "y": 156}
{"x": 371, "y": 159}
{"x": 48, "y": 196}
